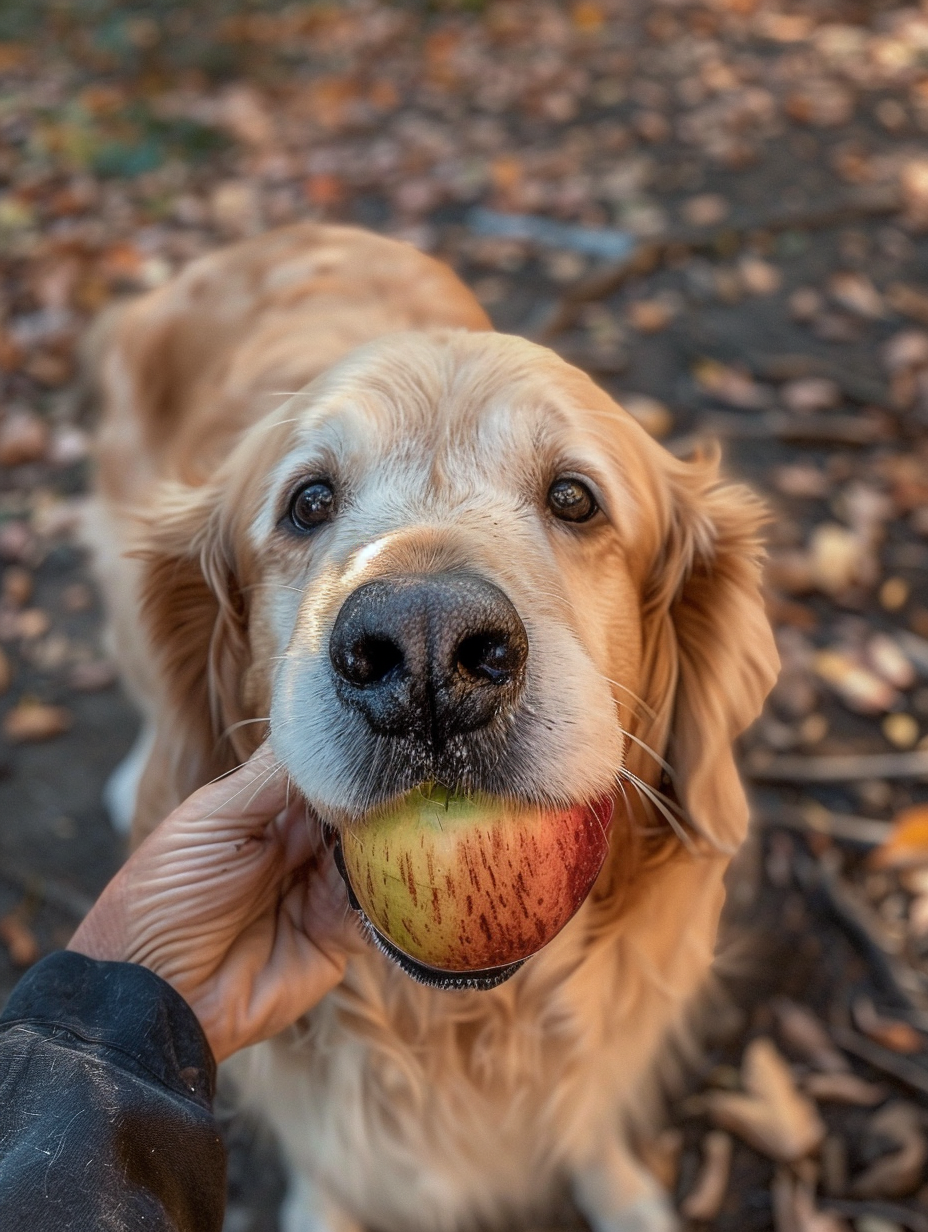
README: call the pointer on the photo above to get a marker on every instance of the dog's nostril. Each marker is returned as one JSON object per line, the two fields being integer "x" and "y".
{"x": 495, "y": 657}
{"x": 368, "y": 660}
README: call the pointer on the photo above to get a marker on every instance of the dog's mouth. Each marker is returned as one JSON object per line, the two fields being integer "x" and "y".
{"x": 460, "y": 890}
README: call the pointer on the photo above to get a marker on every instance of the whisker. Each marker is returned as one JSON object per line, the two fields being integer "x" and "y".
{"x": 644, "y": 790}
{"x": 664, "y": 765}
{"x": 633, "y": 695}
{"x": 243, "y": 723}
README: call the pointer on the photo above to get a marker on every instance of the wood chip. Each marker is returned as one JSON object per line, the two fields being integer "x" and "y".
{"x": 31, "y": 720}
{"x": 772, "y": 1115}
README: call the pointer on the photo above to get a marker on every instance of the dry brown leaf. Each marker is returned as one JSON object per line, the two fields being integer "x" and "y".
{"x": 860, "y": 689}
{"x": 807, "y": 395}
{"x": 16, "y": 588}
{"x": 6, "y": 672}
{"x": 892, "y": 1033}
{"x": 771, "y": 1115}
{"x": 19, "y": 939}
{"x": 839, "y": 558}
{"x": 654, "y": 416}
{"x": 844, "y": 1088}
{"x": 704, "y": 1201}
{"x": 857, "y": 294}
{"x": 32, "y": 720}
{"x": 32, "y": 623}
{"x": 805, "y": 1034}
{"x": 888, "y": 661}
{"x": 900, "y": 1173}
{"x": 730, "y": 385}
{"x": 23, "y": 438}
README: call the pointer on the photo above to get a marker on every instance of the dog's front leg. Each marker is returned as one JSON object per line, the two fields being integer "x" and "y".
{"x": 309, "y": 1208}
{"x": 617, "y": 1194}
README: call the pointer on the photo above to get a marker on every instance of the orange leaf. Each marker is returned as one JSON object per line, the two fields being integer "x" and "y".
{"x": 907, "y": 845}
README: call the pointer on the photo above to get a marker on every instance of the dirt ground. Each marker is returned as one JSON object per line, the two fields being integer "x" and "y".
{"x": 739, "y": 198}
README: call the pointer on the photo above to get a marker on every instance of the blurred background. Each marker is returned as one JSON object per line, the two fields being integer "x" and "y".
{"x": 720, "y": 210}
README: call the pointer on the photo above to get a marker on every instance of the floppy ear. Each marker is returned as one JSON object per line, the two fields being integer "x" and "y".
{"x": 715, "y": 635}
{"x": 196, "y": 617}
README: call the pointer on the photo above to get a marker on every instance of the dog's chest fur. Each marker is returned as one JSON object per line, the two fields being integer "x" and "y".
{"x": 417, "y": 1108}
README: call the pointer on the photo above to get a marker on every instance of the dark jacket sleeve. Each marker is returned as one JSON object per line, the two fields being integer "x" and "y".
{"x": 106, "y": 1088}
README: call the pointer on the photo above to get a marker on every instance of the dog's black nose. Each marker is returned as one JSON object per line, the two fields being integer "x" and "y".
{"x": 429, "y": 656}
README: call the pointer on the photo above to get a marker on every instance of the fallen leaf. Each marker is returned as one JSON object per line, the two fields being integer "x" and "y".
{"x": 839, "y": 558}
{"x": 705, "y": 210}
{"x": 32, "y": 720}
{"x": 650, "y": 316}
{"x": 93, "y": 676}
{"x": 654, "y": 416}
{"x": 771, "y": 1115}
{"x": 905, "y": 350}
{"x": 908, "y": 301}
{"x": 807, "y": 395}
{"x": 860, "y": 689}
{"x": 901, "y": 730}
{"x": 759, "y": 277}
{"x": 857, "y": 294}
{"x": 889, "y": 661}
{"x": 19, "y": 939}
{"x": 901, "y": 1172}
{"x": 892, "y": 1033}
{"x": 730, "y": 385}
{"x": 907, "y": 845}
{"x": 24, "y": 437}
{"x": 844, "y": 1089}
{"x": 806, "y": 1035}
{"x": 16, "y": 587}
{"x": 704, "y": 1201}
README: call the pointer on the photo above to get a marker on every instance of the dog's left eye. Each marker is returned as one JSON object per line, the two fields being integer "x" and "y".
{"x": 312, "y": 505}
{"x": 571, "y": 501}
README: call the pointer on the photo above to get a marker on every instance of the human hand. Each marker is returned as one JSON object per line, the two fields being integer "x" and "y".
{"x": 234, "y": 901}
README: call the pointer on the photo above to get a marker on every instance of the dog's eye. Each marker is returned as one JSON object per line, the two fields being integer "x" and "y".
{"x": 312, "y": 505}
{"x": 571, "y": 501}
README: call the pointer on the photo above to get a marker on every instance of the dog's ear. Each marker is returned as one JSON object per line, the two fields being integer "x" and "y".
{"x": 714, "y": 638}
{"x": 195, "y": 614}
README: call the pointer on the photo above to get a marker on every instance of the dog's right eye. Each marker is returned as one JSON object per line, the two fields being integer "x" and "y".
{"x": 312, "y": 505}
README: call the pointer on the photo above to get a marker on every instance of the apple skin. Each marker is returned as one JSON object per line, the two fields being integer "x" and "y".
{"x": 471, "y": 883}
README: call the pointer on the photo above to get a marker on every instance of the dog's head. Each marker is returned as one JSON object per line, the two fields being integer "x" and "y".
{"x": 455, "y": 558}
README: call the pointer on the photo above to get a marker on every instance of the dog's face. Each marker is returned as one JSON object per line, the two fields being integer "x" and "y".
{"x": 454, "y": 558}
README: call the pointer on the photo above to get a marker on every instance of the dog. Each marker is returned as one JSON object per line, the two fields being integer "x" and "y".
{"x": 320, "y": 414}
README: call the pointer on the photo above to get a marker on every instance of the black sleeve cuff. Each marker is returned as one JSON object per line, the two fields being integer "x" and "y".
{"x": 118, "y": 1007}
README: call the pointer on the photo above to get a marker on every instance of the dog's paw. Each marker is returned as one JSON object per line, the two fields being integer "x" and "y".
{"x": 307, "y": 1209}
{"x": 651, "y": 1213}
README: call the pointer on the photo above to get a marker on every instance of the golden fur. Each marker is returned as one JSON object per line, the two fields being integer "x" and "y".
{"x": 400, "y": 1106}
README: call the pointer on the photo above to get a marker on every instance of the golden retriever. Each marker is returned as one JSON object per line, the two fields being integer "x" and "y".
{"x": 318, "y": 409}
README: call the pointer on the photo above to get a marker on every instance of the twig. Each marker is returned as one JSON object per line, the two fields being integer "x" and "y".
{"x": 795, "y": 429}
{"x": 863, "y": 831}
{"x": 904, "y": 1070}
{"x": 854, "y": 385}
{"x": 839, "y": 768}
{"x": 868, "y": 203}
{"x": 863, "y": 929}
{"x": 48, "y": 889}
